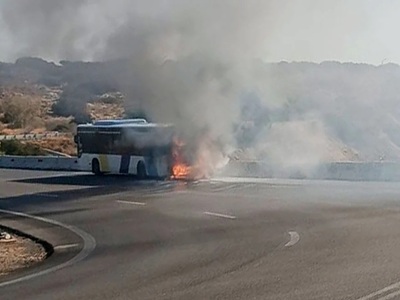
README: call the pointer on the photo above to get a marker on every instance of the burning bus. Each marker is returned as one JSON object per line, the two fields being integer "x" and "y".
{"x": 133, "y": 146}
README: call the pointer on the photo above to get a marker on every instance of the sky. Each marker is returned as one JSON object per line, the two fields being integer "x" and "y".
{"x": 275, "y": 30}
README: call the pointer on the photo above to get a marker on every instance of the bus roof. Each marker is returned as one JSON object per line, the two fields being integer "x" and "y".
{"x": 118, "y": 123}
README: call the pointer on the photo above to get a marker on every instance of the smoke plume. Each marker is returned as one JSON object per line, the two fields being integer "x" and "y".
{"x": 186, "y": 60}
{"x": 200, "y": 65}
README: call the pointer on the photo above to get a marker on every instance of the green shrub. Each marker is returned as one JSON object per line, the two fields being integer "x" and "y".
{"x": 14, "y": 147}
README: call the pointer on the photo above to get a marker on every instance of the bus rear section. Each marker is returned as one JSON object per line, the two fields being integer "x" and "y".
{"x": 126, "y": 147}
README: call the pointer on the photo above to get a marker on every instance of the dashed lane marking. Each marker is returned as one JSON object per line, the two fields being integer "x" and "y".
{"x": 294, "y": 239}
{"x": 219, "y": 215}
{"x": 64, "y": 247}
{"x": 131, "y": 202}
{"x": 48, "y": 195}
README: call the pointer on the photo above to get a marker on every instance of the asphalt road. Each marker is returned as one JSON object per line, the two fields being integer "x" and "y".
{"x": 219, "y": 239}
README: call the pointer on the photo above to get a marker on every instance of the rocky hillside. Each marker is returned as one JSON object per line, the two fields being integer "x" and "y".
{"x": 288, "y": 111}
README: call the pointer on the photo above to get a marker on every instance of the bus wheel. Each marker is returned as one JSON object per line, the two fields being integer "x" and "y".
{"x": 141, "y": 170}
{"x": 96, "y": 167}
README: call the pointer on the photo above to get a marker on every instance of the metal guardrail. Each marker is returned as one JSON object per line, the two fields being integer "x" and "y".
{"x": 31, "y": 136}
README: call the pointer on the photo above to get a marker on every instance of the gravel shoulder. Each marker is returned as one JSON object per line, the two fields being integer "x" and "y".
{"x": 17, "y": 252}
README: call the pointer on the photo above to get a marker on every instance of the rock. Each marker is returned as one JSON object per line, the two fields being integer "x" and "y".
{"x": 5, "y": 236}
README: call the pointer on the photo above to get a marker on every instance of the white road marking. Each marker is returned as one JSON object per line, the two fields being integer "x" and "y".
{"x": 228, "y": 195}
{"x": 382, "y": 291}
{"x": 156, "y": 192}
{"x": 47, "y": 195}
{"x": 50, "y": 175}
{"x": 131, "y": 202}
{"x": 225, "y": 188}
{"x": 89, "y": 244}
{"x": 63, "y": 247}
{"x": 270, "y": 181}
{"x": 219, "y": 215}
{"x": 390, "y": 296}
{"x": 294, "y": 238}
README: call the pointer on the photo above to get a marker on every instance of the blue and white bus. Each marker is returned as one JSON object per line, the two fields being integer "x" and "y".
{"x": 131, "y": 146}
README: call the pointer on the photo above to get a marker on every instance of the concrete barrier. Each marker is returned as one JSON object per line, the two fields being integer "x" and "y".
{"x": 41, "y": 163}
{"x": 377, "y": 171}
{"x": 351, "y": 171}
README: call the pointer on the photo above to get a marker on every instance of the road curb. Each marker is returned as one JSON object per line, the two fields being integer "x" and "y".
{"x": 46, "y": 245}
{"x": 57, "y": 261}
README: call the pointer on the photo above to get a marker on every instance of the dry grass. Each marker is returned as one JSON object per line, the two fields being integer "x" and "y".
{"x": 20, "y": 111}
{"x": 10, "y": 131}
{"x": 29, "y": 111}
{"x": 28, "y": 107}
{"x": 62, "y": 144}
{"x": 101, "y": 110}
{"x": 19, "y": 254}
{"x": 36, "y": 122}
{"x": 59, "y": 124}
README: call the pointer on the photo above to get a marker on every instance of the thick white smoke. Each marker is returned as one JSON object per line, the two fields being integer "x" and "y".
{"x": 193, "y": 63}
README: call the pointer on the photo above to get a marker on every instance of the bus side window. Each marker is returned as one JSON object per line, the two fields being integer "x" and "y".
{"x": 105, "y": 143}
{"x": 116, "y": 144}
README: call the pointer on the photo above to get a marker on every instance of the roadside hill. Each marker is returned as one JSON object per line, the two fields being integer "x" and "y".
{"x": 325, "y": 111}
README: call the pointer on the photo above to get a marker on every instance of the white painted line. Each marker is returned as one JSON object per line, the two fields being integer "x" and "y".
{"x": 63, "y": 247}
{"x": 89, "y": 244}
{"x": 294, "y": 238}
{"x": 382, "y": 291}
{"x": 225, "y": 187}
{"x": 390, "y": 296}
{"x": 219, "y": 215}
{"x": 228, "y": 195}
{"x": 51, "y": 175}
{"x": 131, "y": 202}
{"x": 48, "y": 195}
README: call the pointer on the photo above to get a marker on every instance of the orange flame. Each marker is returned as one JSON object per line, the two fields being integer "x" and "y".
{"x": 180, "y": 168}
{"x": 181, "y": 171}
{"x": 195, "y": 168}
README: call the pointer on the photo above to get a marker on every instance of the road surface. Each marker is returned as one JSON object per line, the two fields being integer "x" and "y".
{"x": 219, "y": 239}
